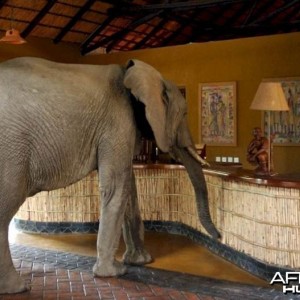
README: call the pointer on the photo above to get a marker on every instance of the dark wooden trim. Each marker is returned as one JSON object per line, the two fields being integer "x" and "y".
{"x": 74, "y": 20}
{"x": 37, "y": 18}
{"x": 2, "y": 3}
{"x": 155, "y": 29}
{"x": 275, "y": 13}
{"x": 118, "y": 35}
{"x": 173, "y": 6}
{"x": 176, "y": 33}
{"x": 97, "y": 31}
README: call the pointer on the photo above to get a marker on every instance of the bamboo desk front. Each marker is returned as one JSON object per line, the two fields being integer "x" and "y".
{"x": 257, "y": 216}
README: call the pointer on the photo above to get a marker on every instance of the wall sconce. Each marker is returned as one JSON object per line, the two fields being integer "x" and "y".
{"x": 270, "y": 97}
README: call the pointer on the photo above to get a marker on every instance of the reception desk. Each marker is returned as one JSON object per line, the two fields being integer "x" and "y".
{"x": 259, "y": 218}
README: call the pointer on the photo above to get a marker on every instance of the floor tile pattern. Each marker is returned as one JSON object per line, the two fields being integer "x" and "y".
{"x": 57, "y": 275}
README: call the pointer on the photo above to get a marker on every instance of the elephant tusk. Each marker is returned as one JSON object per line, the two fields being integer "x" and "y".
{"x": 195, "y": 155}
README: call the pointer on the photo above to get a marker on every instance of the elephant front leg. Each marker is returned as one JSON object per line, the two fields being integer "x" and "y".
{"x": 115, "y": 188}
{"x": 133, "y": 232}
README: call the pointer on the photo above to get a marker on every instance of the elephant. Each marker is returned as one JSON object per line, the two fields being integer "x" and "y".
{"x": 59, "y": 122}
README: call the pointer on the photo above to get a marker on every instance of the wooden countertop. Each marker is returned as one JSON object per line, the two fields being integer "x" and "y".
{"x": 236, "y": 172}
{"x": 158, "y": 166}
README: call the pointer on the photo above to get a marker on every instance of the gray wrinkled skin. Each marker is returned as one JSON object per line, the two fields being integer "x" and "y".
{"x": 59, "y": 122}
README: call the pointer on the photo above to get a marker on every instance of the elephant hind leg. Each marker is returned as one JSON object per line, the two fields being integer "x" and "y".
{"x": 133, "y": 232}
{"x": 10, "y": 280}
{"x": 12, "y": 195}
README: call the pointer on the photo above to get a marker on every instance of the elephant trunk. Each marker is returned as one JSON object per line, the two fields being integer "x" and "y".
{"x": 195, "y": 172}
{"x": 194, "y": 154}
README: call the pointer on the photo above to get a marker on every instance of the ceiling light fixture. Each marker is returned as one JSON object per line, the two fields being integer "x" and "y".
{"x": 12, "y": 36}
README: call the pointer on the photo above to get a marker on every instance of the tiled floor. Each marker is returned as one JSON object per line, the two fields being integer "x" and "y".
{"x": 170, "y": 252}
{"x": 63, "y": 271}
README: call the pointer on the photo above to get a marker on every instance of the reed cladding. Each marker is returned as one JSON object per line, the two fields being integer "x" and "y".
{"x": 261, "y": 221}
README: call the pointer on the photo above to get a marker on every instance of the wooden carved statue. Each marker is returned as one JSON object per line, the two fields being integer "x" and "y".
{"x": 258, "y": 151}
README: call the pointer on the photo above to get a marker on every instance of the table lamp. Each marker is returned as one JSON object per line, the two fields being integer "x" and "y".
{"x": 269, "y": 97}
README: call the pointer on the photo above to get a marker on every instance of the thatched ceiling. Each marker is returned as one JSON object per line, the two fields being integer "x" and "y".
{"x": 137, "y": 24}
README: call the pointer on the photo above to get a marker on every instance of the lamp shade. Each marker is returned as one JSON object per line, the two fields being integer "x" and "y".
{"x": 12, "y": 36}
{"x": 270, "y": 96}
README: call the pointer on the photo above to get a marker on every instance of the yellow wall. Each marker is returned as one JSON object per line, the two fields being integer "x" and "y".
{"x": 246, "y": 61}
{"x": 41, "y": 48}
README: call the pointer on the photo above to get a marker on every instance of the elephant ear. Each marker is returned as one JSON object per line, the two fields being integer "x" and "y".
{"x": 146, "y": 84}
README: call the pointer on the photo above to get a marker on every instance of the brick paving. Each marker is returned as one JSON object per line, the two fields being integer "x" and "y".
{"x": 49, "y": 283}
{"x": 63, "y": 276}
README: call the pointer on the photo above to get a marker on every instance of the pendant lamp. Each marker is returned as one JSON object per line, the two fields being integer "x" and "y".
{"x": 12, "y": 36}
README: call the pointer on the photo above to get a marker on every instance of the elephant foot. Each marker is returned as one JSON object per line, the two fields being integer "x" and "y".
{"x": 137, "y": 257}
{"x": 107, "y": 269}
{"x": 12, "y": 284}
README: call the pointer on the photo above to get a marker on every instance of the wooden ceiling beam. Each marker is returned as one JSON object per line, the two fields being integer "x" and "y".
{"x": 232, "y": 21}
{"x": 103, "y": 25}
{"x": 155, "y": 29}
{"x": 74, "y": 20}
{"x": 275, "y": 12}
{"x": 174, "y": 5}
{"x": 96, "y": 32}
{"x": 259, "y": 7}
{"x": 185, "y": 22}
{"x": 177, "y": 32}
{"x": 131, "y": 27}
{"x": 293, "y": 13}
{"x": 250, "y": 13}
{"x": 2, "y": 3}
{"x": 244, "y": 8}
{"x": 118, "y": 35}
{"x": 246, "y": 31}
{"x": 37, "y": 18}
